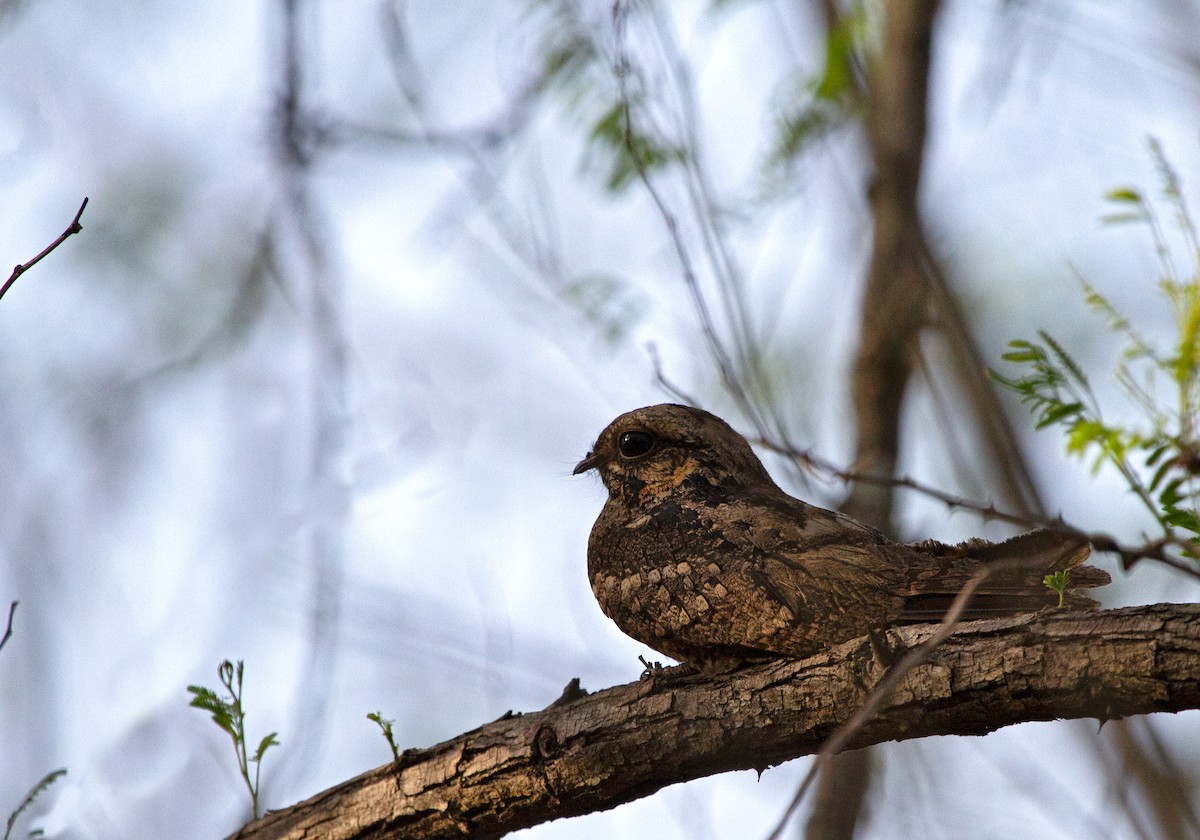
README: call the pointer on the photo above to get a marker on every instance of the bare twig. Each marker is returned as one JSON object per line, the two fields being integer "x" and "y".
{"x": 1153, "y": 550}
{"x": 699, "y": 304}
{"x": 733, "y": 365}
{"x": 666, "y": 384}
{"x": 1130, "y": 555}
{"x": 815, "y": 462}
{"x": 12, "y": 608}
{"x": 21, "y": 268}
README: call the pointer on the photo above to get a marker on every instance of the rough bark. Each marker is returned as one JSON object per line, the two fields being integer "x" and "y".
{"x": 626, "y": 742}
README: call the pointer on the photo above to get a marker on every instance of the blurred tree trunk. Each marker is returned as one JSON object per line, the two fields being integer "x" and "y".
{"x": 905, "y": 292}
{"x": 893, "y": 313}
{"x": 894, "y": 302}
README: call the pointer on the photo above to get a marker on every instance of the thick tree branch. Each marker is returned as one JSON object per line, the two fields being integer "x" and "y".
{"x": 629, "y": 741}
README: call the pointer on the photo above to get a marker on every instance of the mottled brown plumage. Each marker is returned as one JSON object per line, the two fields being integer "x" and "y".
{"x": 701, "y": 556}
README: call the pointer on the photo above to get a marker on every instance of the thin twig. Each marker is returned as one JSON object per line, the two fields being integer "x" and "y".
{"x": 1130, "y": 555}
{"x": 663, "y": 382}
{"x": 622, "y": 68}
{"x": 846, "y": 733}
{"x": 988, "y": 510}
{"x": 1153, "y": 550}
{"x": 12, "y": 608}
{"x": 21, "y": 268}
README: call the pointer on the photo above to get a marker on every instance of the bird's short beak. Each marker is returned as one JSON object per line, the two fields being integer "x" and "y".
{"x": 589, "y": 463}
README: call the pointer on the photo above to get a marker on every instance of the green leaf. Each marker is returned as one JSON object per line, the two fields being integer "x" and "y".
{"x": 1056, "y": 413}
{"x": 265, "y": 744}
{"x": 1185, "y": 519}
{"x": 1058, "y": 582}
{"x": 824, "y": 102}
{"x": 837, "y": 80}
{"x": 1160, "y": 473}
{"x": 220, "y": 709}
{"x": 1123, "y": 218}
{"x": 205, "y": 698}
{"x": 1022, "y": 356}
{"x": 1157, "y": 453}
{"x": 1083, "y": 434}
{"x": 1125, "y": 195}
{"x": 1064, "y": 358}
{"x": 610, "y": 126}
{"x": 1170, "y": 496}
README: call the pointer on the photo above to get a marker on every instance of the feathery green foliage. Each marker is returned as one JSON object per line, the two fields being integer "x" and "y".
{"x": 828, "y": 100}
{"x": 1159, "y": 459}
{"x": 227, "y": 712}
{"x": 47, "y": 780}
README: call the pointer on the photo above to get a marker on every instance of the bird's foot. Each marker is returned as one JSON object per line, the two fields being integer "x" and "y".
{"x": 655, "y": 675}
{"x": 650, "y": 670}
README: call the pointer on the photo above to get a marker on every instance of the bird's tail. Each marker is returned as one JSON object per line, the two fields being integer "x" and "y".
{"x": 1017, "y": 584}
{"x": 1047, "y": 552}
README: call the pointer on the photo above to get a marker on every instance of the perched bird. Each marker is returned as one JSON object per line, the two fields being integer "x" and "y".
{"x": 698, "y": 553}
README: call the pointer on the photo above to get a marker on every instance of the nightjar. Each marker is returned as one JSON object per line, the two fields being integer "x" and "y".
{"x": 700, "y": 555}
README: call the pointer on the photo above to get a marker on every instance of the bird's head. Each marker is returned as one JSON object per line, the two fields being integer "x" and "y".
{"x": 647, "y": 453}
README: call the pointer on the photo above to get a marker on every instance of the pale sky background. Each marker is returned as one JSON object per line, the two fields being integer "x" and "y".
{"x": 157, "y": 453}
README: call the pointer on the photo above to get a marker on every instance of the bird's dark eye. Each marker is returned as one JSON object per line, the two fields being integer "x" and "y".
{"x": 635, "y": 444}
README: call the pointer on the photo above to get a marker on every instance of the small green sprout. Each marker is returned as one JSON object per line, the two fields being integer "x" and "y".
{"x": 227, "y": 713}
{"x": 386, "y": 726}
{"x": 1058, "y": 581}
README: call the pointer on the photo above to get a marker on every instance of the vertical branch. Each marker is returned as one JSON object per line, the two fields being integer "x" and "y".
{"x": 893, "y": 313}
{"x": 893, "y": 307}
{"x": 298, "y": 225}
{"x": 841, "y": 790}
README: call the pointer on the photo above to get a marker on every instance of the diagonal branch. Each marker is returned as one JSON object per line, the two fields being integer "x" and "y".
{"x": 629, "y": 741}
{"x": 1158, "y": 550}
{"x": 845, "y": 734}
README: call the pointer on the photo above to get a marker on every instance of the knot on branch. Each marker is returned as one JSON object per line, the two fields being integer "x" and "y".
{"x": 545, "y": 743}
